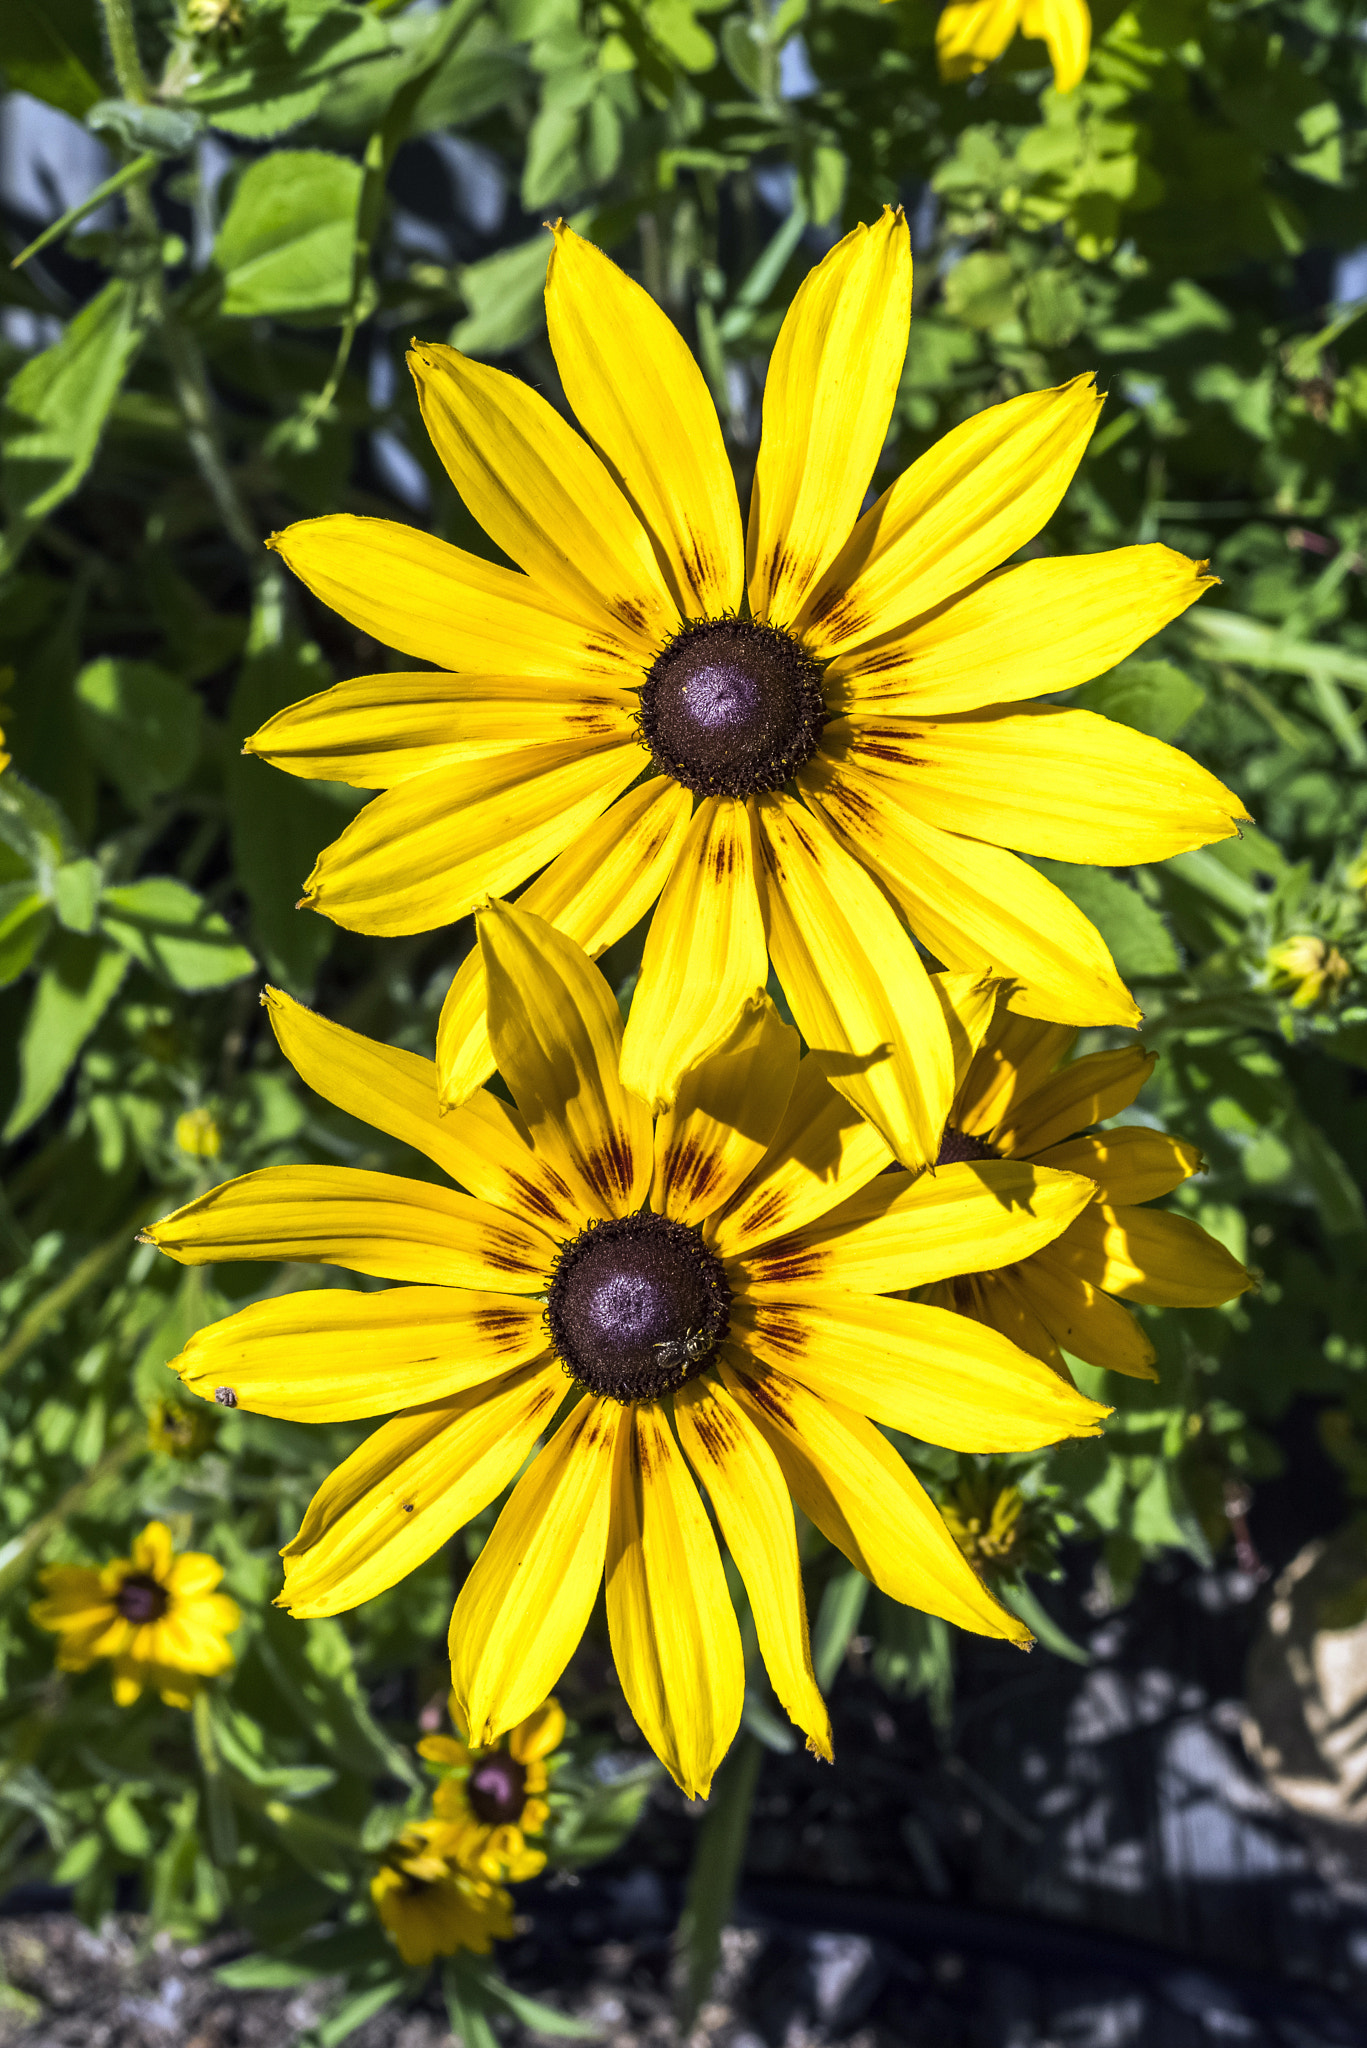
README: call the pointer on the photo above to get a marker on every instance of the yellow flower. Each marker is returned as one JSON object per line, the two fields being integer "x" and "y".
{"x": 495, "y": 1797}
{"x": 716, "y": 1291}
{"x": 198, "y": 1134}
{"x": 5, "y": 758}
{"x": 429, "y": 1904}
{"x": 971, "y": 34}
{"x": 1015, "y": 1102}
{"x": 155, "y": 1615}
{"x": 1313, "y": 971}
{"x": 801, "y": 743}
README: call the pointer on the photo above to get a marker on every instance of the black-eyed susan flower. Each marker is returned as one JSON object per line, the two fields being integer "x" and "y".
{"x": 496, "y": 1797}
{"x": 710, "y": 1294}
{"x": 1015, "y": 1101}
{"x": 809, "y": 743}
{"x": 155, "y": 1615}
{"x": 429, "y": 1904}
{"x": 971, "y": 34}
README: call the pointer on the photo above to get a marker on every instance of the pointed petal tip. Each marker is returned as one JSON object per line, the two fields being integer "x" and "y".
{"x": 146, "y": 1236}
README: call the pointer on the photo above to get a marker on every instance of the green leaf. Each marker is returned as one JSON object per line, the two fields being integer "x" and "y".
{"x": 837, "y": 1618}
{"x": 57, "y": 404}
{"x": 1140, "y": 942}
{"x": 51, "y": 48}
{"x": 24, "y": 921}
{"x": 141, "y": 725}
{"x": 33, "y": 825}
{"x": 1027, "y": 1606}
{"x": 1230, "y": 636}
{"x": 163, "y": 131}
{"x": 288, "y": 244}
{"x": 78, "y": 982}
{"x": 717, "y": 1858}
{"x": 467, "y": 2005}
{"x": 263, "y": 1973}
{"x": 76, "y": 894}
{"x": 171, "y": 930}
{"x": 357, "y": 2008}
{"x": 1153, "y": 696}
{"x": 539, "y": 2018}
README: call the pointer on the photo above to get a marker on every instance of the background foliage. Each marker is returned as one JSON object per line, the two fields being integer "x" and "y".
{"x": 214, "y": 349}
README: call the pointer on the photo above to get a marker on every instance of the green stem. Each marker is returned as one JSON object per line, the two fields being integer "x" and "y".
{"x": 717, "y": 1861}
{"x": 123, "y": 48}
{"x": 217, "y": 1799}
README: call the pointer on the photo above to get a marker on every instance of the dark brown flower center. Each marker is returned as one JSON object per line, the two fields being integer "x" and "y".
{"x": 140, "y": 1599}
{"x": 732, "y": 707}
{"x": 958, "y": 1146}
{"x": 636, "y": 1306}
{"x": 497, "y": 1790}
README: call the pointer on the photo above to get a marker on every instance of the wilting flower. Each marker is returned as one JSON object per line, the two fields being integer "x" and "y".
{"x": 495, "y": 1797}
{"x": 971, "y": 34}
{"x": 430, "y": 1905}
{"x": 1309, "y": 969}
{"x": 713, "y": 1292}
{"x": 796, "y": 741}
{"x": 1016, "y": 1102}
{"x": 156, "y": 1616}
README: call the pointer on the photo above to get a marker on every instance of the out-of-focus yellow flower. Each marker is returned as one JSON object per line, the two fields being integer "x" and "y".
{"x": 4, "y": 757}
{"x": 984, "y": 1518}
{"x": 198, "y": 1134}
{"x": 179, "y": 1432}
{"x": 431, "y": 1906}
{"x": 155, "y": 1615}
{"x": 495, "y": 1797}
{"x": 971, "y": 34}
{"x": 1311, "y": 970}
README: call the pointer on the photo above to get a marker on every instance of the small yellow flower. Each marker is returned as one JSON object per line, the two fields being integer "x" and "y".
{"x": 985, "y": 1520}
{"x": 1312, "y": 971}
{"x": 198, "y": 1134}
{"x": 495, "y": 1797}
{"x": 179, "y": 1432}
{"x": 155, "y": 1615}
{"x": 430, "y": 1906}
{"x": 4, "y": 757}
{"x": 1015, "y": 1102}
{"x": 971, "y": 34}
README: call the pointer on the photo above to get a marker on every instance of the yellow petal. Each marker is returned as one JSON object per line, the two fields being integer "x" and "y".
{"x": 541, "y": 1732}
{"x": 1064, "y": 784}
{"x": 750, "y": 1499}
{"x": 1066, "y": 26}
{"x": 369, "y": 1222}
{"x": 1086, "y": 1091}
{"x": 1025, "y": 632}
{"x": 154, "y": 1552}
{"x": 1081, "y": 1318}
{"x": 828, "y": 399}
{"x": 969, "y": 34}
{"x": 902, "y": 1232}
{"x": 541, "y": 493}
{"x": 977, "y": 907}
{"x": 1017, "y": 1057}
{"x": 673, "y": 1628}
{"x": 411, "y": 591}
{"x": 328, "y": 1354}
{"x": 1147, "y": 1255}
{"x": 641, "y": 399}
{"x": 996, "y": 1300}
{"x": 849, "y": 1481}
{"x": 982, "y": 491}
{"x": 422, "y": 854}
{"x": 557, "y": 1034}
{"x": 410, "y": 1486}
{"x": 724, "y": 1116}
{"x": 480, "y": 1145}
{"x": 529, "y": 1595}
{"x": 1130, "y": 1165}
{"x": 969, "y": 1002}
{"x": 940, "y": 1377}
{"x": 595, "y": 891}
{"x": 705, "y": 956}
{"x": 854, "y": 981}
{"x": 193, "y": 1574}
{"x": 822, "y": 1151}
{"x": 379, "y": 730}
